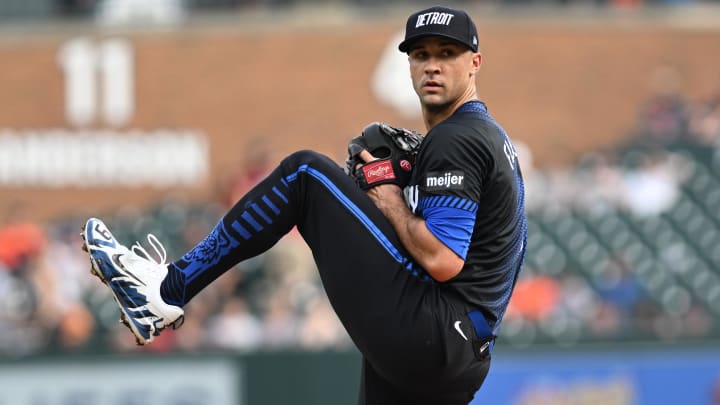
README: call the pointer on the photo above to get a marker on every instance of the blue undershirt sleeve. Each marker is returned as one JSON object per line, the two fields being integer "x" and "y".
{"x": 452, "y": 226}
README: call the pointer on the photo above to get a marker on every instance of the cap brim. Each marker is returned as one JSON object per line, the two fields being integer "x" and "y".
{"x": 407, "y": 43}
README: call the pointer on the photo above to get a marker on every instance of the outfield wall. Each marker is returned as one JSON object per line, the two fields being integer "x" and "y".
{"x": 94, "y": 119}
{"x": 609, "y": 377}
{"x": 613, "y": 377}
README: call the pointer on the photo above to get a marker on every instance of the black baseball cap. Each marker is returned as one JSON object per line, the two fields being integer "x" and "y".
{"x": 441, "y": 21}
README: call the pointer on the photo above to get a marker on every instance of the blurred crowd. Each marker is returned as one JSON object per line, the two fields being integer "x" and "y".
{"x": 622, "y": 245}
{"x": 643, "y": 174}
{"x": 163, "y": 12}
{"x": 49, "y": 302}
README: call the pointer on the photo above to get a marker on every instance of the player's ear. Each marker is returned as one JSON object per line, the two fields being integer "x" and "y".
{"x": 475, "y": 64}
{"x": 477, "y": 61}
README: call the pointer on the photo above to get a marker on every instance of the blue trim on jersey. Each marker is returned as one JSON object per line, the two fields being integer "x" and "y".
{"x": 447, "y": 201}
{"x": 516, "y": 260}
{"x": 472, "y": 106}
{"x": 512, "y": 265}
{"x": 452, "y": 226}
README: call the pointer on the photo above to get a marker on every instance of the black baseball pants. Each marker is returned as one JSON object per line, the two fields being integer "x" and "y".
{"x": 402, "y": 322}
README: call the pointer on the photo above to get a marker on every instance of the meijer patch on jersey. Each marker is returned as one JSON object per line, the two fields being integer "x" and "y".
{"x": 445, "y": 180}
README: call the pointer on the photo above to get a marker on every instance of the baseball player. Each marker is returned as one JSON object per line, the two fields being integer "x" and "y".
{"x": 418, "y": 248}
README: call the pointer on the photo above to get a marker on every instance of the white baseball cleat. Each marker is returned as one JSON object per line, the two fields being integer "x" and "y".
{"x": 133, "y": 280}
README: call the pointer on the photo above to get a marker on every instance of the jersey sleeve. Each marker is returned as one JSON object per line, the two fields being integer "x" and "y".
{"x": 450, "y": 174}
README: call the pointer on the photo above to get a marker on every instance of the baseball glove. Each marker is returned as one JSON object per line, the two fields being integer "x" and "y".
{"x": 395, "y": 150}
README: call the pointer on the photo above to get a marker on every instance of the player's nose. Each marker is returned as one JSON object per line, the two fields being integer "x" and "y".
{"x": 432, "y": 66}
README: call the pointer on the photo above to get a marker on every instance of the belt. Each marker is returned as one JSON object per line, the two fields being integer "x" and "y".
{"x": 485, "y": 341}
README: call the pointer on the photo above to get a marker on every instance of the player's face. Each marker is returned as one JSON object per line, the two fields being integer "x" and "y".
{"x": 442, "y": 71}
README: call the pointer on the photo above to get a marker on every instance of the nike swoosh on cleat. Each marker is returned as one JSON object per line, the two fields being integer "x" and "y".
{"x": 118, "y": 263}
{"x": 457, "y": 328}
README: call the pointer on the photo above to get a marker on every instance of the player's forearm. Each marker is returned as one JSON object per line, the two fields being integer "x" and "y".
{"x": 437, "y": 259}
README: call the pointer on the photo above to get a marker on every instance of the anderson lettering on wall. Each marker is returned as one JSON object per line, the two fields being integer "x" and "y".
{"x": 98, "y": 148}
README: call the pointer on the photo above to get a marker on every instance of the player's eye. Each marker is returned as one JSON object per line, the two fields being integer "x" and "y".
{"x": 419, "y": 55}
{"x": 447, "y": 53}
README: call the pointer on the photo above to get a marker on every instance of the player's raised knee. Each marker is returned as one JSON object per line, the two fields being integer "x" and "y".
{"x": 307, "y": 157}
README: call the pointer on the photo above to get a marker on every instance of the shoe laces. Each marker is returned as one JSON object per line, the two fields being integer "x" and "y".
{"x": 156, "y": 245}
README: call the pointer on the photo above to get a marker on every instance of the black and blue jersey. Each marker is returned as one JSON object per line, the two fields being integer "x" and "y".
{"x": 468, "y": 186}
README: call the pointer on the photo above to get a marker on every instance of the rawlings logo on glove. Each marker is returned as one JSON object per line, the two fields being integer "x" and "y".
{"x": 395, "y": 150}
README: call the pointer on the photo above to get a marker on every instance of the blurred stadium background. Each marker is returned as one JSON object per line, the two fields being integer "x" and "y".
{"x": 155, "y": 115}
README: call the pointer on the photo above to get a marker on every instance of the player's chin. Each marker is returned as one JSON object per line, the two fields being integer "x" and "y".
{"x": 434, "y": 102}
